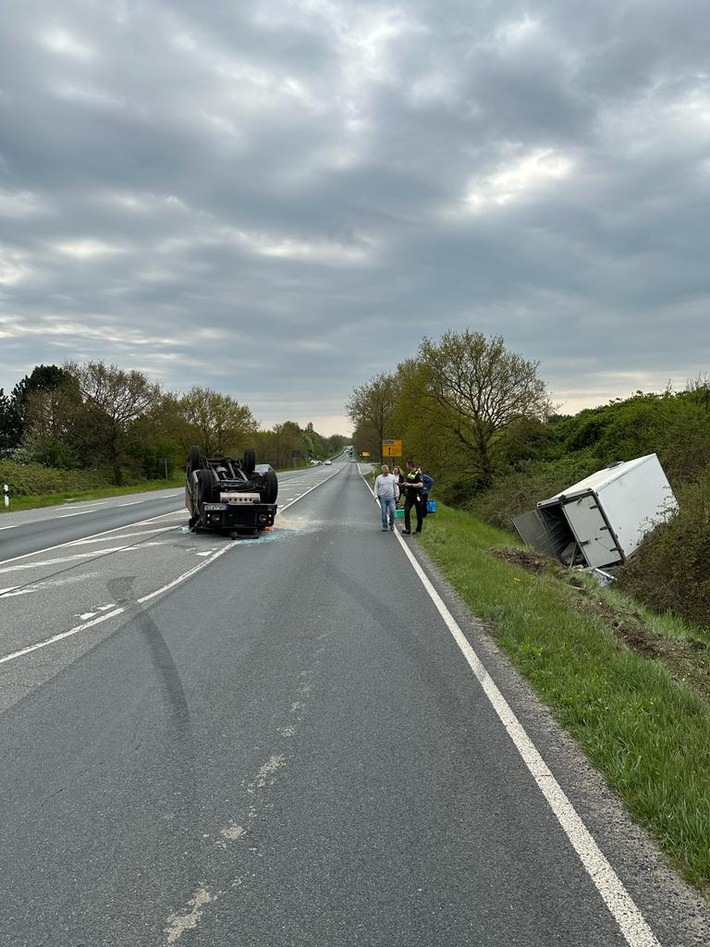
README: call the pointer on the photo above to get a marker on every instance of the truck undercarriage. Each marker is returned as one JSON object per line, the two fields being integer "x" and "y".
{"x": 229, "y": 495}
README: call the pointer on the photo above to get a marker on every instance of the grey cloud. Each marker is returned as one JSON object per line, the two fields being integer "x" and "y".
{"x": 256, "y": 197}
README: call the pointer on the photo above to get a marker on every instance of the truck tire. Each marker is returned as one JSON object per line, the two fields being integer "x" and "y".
{"x": 271, "y": 487}
{"x": 249, "y": 461}
{"x": 194, "y": 460}
{"x": 205, "y": 486}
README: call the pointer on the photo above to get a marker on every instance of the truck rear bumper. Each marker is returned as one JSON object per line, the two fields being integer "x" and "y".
{"x": 244, "y": 516}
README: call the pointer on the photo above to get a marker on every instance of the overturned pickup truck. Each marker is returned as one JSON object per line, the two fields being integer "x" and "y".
{"x": 229, "y": 495}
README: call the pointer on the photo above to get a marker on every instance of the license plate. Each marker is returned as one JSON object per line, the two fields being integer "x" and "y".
{"x": 213, "y": 507}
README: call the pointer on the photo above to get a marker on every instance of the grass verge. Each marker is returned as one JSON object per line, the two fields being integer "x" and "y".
{"x": 633, "y": 689}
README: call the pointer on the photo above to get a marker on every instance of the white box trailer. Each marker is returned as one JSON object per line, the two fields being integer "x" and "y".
{"x": 603, "y": 518}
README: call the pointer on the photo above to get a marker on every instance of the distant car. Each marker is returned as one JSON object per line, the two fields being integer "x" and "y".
{"x": 328, "y": 463}
{"x": 263, "y": 468}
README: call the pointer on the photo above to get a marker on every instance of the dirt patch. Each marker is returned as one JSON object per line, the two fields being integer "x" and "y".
{"x": 687, "y": 660}
{"x": 531, "y": 561}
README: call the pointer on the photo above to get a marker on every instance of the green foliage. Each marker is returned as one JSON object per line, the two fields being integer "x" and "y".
{"x": 460, "y": 408}
{"x": 10, "y": 423}
{"x": 476, "y": 390}
{"x": 216, "y": 423}
{"x": 371, "y": 409}
{"x": 675, "y": 426}
{"x": 14, "y": 419}
{"x": 110, "y": 403}
{"x": 520, "y": 489}
{"x": 34, "y": 479}
{"x": 285, "y": 446}
{"x": 670, "y": 571}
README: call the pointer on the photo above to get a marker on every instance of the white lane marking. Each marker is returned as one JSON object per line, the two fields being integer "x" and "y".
{"x": 98, "y": 609}
{"x": 58, "y": 637}
{"x": 64, "y": 516}
{"x": 112, "y": 614}
{"x": 14, "y": 526}
{"x": 105, "y": 532}
{"x": 106, "y": 539}
{"x": 77, "y": 556}
{"x": 623, "y": 909}
{"x": 132, "y": 503}
{"x": 118, "y": 611}
{"x": 43, "y": 585}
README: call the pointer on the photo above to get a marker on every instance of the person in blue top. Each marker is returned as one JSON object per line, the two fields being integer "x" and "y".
{"x": 427, "y": 484}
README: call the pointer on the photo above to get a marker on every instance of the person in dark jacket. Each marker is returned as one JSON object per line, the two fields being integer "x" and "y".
{"x": 399, "y": 477}
{"x": 412, "y": 498}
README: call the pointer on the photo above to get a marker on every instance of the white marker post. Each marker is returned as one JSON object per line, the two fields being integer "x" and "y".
{"x": 6, "y": 492}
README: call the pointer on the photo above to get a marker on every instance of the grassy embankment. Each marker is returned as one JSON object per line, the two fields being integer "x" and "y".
{"x": 633, "y": 689}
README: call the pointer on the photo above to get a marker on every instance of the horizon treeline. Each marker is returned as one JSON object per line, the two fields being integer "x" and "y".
{"x": 98, "y": 416}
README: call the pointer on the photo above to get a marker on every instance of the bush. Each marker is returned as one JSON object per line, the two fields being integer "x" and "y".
{"x": 37, "y": 480}
{"x": 669, "y": 572}
{"x": 521, "y": 491}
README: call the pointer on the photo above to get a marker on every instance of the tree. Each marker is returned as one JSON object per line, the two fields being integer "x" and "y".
{"x": 42, "y": 378}
{"x": 10, "y": 424}
{"x": 288, "y": 444}
{"x": 113, "y": 401}
{"x": 217, "y": 423}
{"x": 370, "y": 408}
{"x": 51, "y": 419}
{"x": 475, "y": 389}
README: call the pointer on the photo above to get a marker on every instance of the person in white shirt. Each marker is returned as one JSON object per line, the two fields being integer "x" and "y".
{"x": 387, "y": 492}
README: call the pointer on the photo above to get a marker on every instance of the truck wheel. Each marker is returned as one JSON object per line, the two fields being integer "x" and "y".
{"x": 205, "y": 484}
{"x": 194, "y": 460}
{"x": 271, "y": 487}
{"x": 249, "y": 461}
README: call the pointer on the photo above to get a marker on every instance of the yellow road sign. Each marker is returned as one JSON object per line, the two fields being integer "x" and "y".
{"x": 391, "y": 448}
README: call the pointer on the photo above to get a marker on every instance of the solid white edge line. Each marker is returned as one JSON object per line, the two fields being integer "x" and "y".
{"x": 621, "y": 905}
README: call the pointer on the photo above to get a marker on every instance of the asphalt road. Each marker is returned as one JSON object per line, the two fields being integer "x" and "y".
{"x": 287, "y": 741}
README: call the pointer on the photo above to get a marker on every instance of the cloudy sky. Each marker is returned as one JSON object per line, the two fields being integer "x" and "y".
{"x": 278, "y": 199}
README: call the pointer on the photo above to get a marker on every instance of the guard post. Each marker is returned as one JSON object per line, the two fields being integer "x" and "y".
{"x": 6, "y": 494}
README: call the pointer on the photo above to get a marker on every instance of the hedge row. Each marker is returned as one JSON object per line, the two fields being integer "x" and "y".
{"x": 36, "y": 480}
